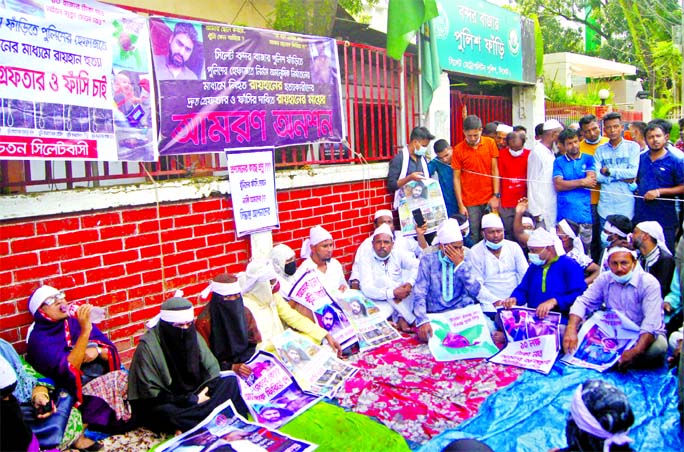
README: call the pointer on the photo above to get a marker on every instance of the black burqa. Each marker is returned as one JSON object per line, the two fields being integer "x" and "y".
{"x": 229, "y": 337}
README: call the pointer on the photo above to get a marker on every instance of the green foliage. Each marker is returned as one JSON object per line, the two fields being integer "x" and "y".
{"x": 555, "y": 92}
{"x": 314, "y": 17}
{"x": 539, "y": 46}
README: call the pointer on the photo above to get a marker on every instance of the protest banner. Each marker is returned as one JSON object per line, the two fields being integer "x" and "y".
{"x": 316, "y": 368}
{"x": 229, "y": 87}
{"x": 75, "y": 82}
{"x": 602, "y": 340}
{"x": 271, "y": 392}
{"x": 225, "y": 429}
{"x": 252, "y": 190}
{"x": 371, "y": 329}
{"x": 460, "y": 334}
{"x": 532, "y": 343}
{"x": 424, "y": 195}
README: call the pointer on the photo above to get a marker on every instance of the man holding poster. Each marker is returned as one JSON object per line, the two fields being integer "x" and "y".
{"x": 629, "y": 290}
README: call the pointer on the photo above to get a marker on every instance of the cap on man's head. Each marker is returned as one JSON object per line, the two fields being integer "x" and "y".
{"x": 39, "y": 296}
{"x": 491, "y": 220}
{"x": 383, "y": 229}
{"x": 552, "y": 124}
{"x": 541, "y": 238}
{"x": 448, "y": 232}
{"x": 504, "y": 128}
{"x": 317, "y": 234}
{"x": 383, "y": 213}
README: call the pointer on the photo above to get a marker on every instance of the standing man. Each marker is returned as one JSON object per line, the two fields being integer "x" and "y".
{"x": 445, "y": 175}
{"x": 502, "y": 131}
{"x": 476, "y": 174}
{"x": 409, "y": 164}
{"x": 174, "y": 66}
{"x": 573, "y": 175}
{"x": 660, "y": 179}
{"x": 513, "y": 171}
{"x": 540, "y": 191}
{"x": 617, "y": 162}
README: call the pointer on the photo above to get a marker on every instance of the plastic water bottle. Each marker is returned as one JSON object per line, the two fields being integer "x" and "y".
{"x": 97, "y": 314}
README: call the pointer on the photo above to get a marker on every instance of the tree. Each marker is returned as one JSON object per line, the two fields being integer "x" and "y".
{"x": 314, "y": 17}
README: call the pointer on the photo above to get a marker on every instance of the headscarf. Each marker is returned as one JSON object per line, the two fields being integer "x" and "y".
{"x": 39, "y": 296}
{"x": 528, "y": 220}
{"x": 257, "y": 278}
{"x": 576, "y": 241}
{"x": 609, "y": 227}
{"x": 25, "y": 381}
{"x": 180, "y": 347}
{"x": 317, "y": 234}
{"x": 280, "y": 254}
{"x": 655, "y": 230}
{"x": 8, "y": 378}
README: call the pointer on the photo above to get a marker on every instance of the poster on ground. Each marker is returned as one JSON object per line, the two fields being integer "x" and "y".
{"x": 602, "y": 339}
{"x": 424, "y": 195}
{"x": 460, "y": 334}
{"x": 316, "y": 368}
{"x": 225, "y": 430}
{"x": 371, "y": 329}
{"x": 252, "y": 191}
{"x": 224, "y": 87}
{"x": 271, "y": 392}
{"x": 531, "y": 343}
{"x": 75, "y": 82}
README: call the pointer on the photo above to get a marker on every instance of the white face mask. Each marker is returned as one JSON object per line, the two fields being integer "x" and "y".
{"x": 421, "y": 151}
{"x": 516, "y": 153}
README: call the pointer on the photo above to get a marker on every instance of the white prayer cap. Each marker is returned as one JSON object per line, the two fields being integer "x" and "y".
{"x": 317, "y": 234}
{"x": 383, "y": 213}
{"x": 7, "y": 375}
{"x": 492, "y": 220}
{"x": 39, "y": 296}
{"x": 448, "y": 232}
{"x": 552, "y": 124}
{"x": 620, "y": 249}
{"x": 383, "y": 229}
{"x": 541, "y": 238}
{"x": 504, "y": 128}
{"x": 576, "y": 241}
{"x": 258, "y": 270}
{"x": 527, "y": 220}
{"x": 655, "y": 230}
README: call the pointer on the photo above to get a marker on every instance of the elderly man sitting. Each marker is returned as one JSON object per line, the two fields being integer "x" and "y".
{"x": 552, "y": 282}
{"x": 628, "y": 289}
{"x": 445, "y": 281}
{"x": 317, "y": 252}
{"x": 388, "y": 276}
{"x": 498, "y": 264}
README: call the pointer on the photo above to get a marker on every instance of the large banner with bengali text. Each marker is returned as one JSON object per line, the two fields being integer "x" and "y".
{"x": 75, "y": 82}
{"x": 224, "y": 87}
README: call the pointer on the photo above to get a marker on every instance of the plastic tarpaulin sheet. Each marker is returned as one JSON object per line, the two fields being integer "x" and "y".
{"x": 530, "y": 414}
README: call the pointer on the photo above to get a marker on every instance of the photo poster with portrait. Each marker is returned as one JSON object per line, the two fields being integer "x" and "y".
{"x": 252, "y": 190}
{"x": 75, "y": 82}
{"x": 315, "y": 368}
{"x": 225, "y": 429}
{"x": 228, "y": 87}
{"x": 371, "y": 329}
{"x": 602, "y": 339}
{"x": 531, "y": 343}
{"x": 460, "y": 334}
{"x": 424, "y": 195}
{"x": 271, "y": 392}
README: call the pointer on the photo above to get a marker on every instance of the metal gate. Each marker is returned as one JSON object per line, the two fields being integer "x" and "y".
{"x": 487, "y": 108}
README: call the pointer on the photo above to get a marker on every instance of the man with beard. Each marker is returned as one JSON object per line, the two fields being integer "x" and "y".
{"x": 317, "y": 252}
{"x": 174, "y": 381}
{"x": 181, "y": 45}
{"x": 227, "y": 326}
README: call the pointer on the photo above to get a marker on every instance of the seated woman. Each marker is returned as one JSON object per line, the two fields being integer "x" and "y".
{"x": 16, "y": 435}
{"x": 174, "y": 381}
{"x": 80, "y": 359}
{"x": 46, "y": 410}
{"x": 227, "y": 326}
{"x": 285, "y": 266}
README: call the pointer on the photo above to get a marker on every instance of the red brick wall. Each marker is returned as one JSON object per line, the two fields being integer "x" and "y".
{"x": 113, "y": 257}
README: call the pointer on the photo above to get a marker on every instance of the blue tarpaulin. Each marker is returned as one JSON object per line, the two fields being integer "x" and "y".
{"x": 530, "y": 414}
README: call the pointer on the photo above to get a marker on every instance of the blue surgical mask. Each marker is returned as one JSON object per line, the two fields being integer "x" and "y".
{"x": 535, "y": 259}
{"x": 604, "y": 239}
{"x": 624, "y": 279}
{"x": 493, "y": 246}
{"x": 420, "y": 151}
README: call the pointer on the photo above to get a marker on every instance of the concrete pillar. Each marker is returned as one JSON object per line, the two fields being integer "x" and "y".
{"x": 528, "y": 108}
{"x": 438, "y": 116}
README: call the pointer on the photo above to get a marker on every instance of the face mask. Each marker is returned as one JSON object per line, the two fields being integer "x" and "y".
{"x": 593, "y": 142}
{"x": 493, "y": 246}
{"x": 381, "y": 258}
{"x": 604, "y": 239}
{"x": 290, "y": 268}
{"x": 535, "y": 259}
{"x": 528, "y": 231}
{"x": 420, "y": 151}
{"x": 276, "y": 287}
{"x": 624, "y": 279}
{"x": 516, "y": 153}
{"x": 633, "y": 186}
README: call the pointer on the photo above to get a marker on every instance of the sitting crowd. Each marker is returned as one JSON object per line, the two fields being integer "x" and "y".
{"x": 537, "y": 252}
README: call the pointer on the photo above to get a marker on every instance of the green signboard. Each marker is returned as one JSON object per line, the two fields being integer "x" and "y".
{"x": 478, "y": 38}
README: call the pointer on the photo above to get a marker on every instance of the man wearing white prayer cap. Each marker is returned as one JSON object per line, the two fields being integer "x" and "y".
{"x": 540, "y": 191}
{"x": 365, "y": 250}
{"x": 552, "y": 282}
{"x": 502, "y": 130}
{"x": 317, "y": 253}
{"x": 654, "y": 256}
{"x": 445, "y": 280}
{"x": 498, "y": 264}
{"x": 388, "y": 277}
{"x": 629, "y": 290}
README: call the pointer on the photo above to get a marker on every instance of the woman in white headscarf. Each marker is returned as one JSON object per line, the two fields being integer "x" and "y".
{"x": 285, "y": 266}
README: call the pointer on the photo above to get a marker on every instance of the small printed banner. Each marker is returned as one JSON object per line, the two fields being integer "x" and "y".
{"x": 460, "y": 334}
{"x": 224, "y": 429}
{"x": 316, "y": 368}
{"x": 252, "y": 189}
{"x": 371, "y": 329}
{"x": 228, "y": 87}
{"x": 271, "y": 392}
{"x": 602, "y": 340}
{"x": 426, "y": 195}
{"x": 532, "y": 343}
{"x": 75, "y": 82}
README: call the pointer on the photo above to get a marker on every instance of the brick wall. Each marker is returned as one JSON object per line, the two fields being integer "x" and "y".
{"x": 114, "y": 258}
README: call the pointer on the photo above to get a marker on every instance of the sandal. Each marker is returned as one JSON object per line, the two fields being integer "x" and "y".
{"x": 96, "y": 446}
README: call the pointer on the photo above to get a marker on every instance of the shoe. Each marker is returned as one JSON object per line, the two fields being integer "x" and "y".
{"x": 96, "y": 446}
